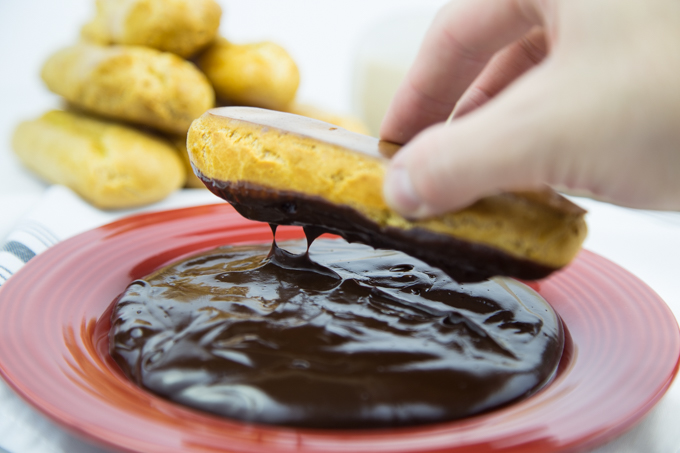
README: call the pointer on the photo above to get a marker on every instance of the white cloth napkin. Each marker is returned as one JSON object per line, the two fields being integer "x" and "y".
{"x": 646, "y": 243}
{"x": 58, "y": 215}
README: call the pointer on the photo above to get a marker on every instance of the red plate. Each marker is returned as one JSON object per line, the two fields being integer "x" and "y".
{"x": 621, "y": 355}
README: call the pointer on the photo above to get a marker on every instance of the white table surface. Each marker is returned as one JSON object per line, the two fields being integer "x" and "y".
{"x": 324, "y": 37}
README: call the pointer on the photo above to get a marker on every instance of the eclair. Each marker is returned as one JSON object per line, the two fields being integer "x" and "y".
{"x": 179, "y": 26}
{"x": 287, "y": 169}
{"x": 130, "y": 83}
{"x": 259, "y": 74}
{"x": 110, "y": 165}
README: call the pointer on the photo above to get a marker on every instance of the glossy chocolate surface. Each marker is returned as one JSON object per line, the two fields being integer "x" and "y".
{"x": 463, "y": 261}
{"x": 345, "y": 337}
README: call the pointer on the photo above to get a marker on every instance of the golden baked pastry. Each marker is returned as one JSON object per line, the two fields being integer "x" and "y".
{"x": 108, "y": 164}
{"x": 192, "y": 181}
{"x": 287, "y": 169}
{"x": 136, "y": 84}
{"x": 350, "y": 123}
{"x": 260, "y": 74}
{"x": 178, "y": 26}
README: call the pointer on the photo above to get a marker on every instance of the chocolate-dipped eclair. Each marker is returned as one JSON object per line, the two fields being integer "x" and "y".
{"x": 287, "y": 169}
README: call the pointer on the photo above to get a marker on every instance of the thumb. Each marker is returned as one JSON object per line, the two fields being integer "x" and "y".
{"x": 505, "y": 145}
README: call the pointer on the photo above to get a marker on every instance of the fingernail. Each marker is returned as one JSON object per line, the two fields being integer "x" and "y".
{"x": 399, "y": 192}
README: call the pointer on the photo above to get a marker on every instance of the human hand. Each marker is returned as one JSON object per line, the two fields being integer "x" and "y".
{"x": 583, "y": 95}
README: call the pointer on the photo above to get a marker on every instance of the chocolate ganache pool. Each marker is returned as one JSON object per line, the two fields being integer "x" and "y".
{"x": 343, "y": 337}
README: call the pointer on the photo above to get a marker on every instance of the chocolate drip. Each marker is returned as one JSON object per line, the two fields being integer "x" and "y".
{"x": 299, "y": 262}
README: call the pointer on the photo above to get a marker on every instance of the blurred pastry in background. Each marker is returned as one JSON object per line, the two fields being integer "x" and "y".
{"x": 179, "y": 26}
{"x": 136, "y": 84}
{"x": 348, "y": 122}
{"x": 258, "y": 74}
{"x": 108, "y": 164}
{"x": 192, "y": 181}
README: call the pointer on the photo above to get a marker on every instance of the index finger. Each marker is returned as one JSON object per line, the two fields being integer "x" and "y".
{"x": 461, "y": 41}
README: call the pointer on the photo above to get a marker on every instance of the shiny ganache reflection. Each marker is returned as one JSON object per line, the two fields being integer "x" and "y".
{"x": 343, "y": 337}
